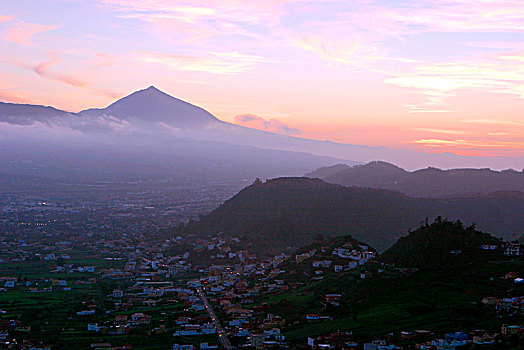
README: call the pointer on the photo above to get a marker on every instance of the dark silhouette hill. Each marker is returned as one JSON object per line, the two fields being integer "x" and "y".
{"x": 430, "y": 182}
{"x": 290, "y": 212}
{"x": 440, "y": 244}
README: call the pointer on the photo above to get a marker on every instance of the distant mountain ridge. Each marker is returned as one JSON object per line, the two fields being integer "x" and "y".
{"x": 25, "y": 114}
{"x": 290, "y": 212}
{"x": 152, "y": 112}
{"x": 430, "y": 182}
{"x": 145, "y": 135}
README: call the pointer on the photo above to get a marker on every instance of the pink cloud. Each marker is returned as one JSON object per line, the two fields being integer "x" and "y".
{"x": 273, "y": 125}
{"x": 200, "y": 19}
{"x": 4, "y": 18}
{"x": 10, "y": 96}
{"x": 465, "y": 16}
{"x": 209, "y": 62}
{"x": 457, "y": 146}
{"x": 441, "y": 131}
{"x": 458, "y": 16}
{"x": 334, "y": 49}
{"x": 22, "y": 32}
{"x": 8, "y": 91}
{"x": 52, "y": 70}
{"x": 43, "y": 70}
{"x": 440, "y": 80}
{"x": 252, "y": 12}
{"x": 491, "y": 122}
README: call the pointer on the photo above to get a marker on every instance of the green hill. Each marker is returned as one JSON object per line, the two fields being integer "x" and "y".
{"x": 289, "y": 212}
{"x": 337, "y": 250}
{"x": 443, "y": 294}
{"x": 440, "y": 244}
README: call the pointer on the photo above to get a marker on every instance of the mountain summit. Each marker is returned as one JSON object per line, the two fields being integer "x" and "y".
{"x": 157, "y": 114}
{"x": 153, "y": 105}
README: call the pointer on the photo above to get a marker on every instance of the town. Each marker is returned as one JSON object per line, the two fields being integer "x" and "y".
{"x": 134, "y": 291}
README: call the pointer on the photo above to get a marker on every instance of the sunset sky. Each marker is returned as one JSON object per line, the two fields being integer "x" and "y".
{"x": 441, "y": 75}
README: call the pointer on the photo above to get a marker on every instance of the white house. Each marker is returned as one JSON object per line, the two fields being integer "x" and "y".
{"x": 92, "y": 327}
{"x": 182, "y": 347}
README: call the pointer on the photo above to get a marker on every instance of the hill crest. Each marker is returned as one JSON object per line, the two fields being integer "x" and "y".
{"x": 429, "y": 182}
{"x": 290, "y": 212}
{"x": 440, "y": 244}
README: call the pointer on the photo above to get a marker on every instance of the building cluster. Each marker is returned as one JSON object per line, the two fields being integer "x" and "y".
{"x": 193, "y": 291}
{"x": 419, "y": 339}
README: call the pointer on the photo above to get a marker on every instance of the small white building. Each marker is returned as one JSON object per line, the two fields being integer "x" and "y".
{"x": 92, "y": 327}
{"x": 182, "y": 347}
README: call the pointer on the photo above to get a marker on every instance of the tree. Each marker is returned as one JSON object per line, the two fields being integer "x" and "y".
{"x": 319, "y": 238}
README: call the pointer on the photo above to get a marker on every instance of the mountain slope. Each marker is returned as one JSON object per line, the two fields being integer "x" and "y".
{"x": 153, "y": 105}
{"x": 322, "y": 173}
{"x": 143, "y": 135}
{"x": 24, "y": 114}
{"x": 172, "y": 159}
{"x": 430, "y": 182}
{"x": 379, "y": 174}
{"x": 299, "y": 267}
{"x": 290, "y": 212}
{"x": 153, "y": 112}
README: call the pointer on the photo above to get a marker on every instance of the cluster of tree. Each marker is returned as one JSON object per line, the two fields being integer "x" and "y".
{"x": 290, "y": 212}
{"x": 442, "y": 243}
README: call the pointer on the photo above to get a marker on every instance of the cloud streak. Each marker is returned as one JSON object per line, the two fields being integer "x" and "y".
{"x": 22, "y": 32}
{"x": 211, "y": 62}
{"x": 441, "y": 131}
{"x": 462, "y": 144}
{"x": 491, "y": 122}
{"x": 43, "y": 69}
{"x": 438, "y": 81}
{"x": 273, "y": 125}
{"x": 4, "y": 18}
{"x": 249, "y": 12}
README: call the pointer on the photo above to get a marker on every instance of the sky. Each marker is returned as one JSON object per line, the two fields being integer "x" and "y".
{"x": 431, "y": 75}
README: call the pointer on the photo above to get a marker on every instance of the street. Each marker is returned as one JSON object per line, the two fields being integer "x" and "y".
{"x": 222, "y": 336}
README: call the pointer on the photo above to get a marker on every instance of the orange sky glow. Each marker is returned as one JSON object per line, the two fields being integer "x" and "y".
{"x": 445, "y": 76}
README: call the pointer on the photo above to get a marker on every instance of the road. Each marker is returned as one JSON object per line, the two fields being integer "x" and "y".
{"x": 222, "y": 336}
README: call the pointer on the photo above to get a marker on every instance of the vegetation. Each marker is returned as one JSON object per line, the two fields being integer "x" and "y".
{"x": 51, "y": 312}
{"x": 442, "y": 244}
{"x": 287, "y": 213}
{"x": 442, "y": 294}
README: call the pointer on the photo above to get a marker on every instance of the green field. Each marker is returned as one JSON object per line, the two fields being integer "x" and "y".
{"x": 438, "y": 301}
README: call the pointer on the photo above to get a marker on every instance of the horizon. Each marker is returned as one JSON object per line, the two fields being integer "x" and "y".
{"x": 147, "y": 98}
{"x": 421, "y": 76}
